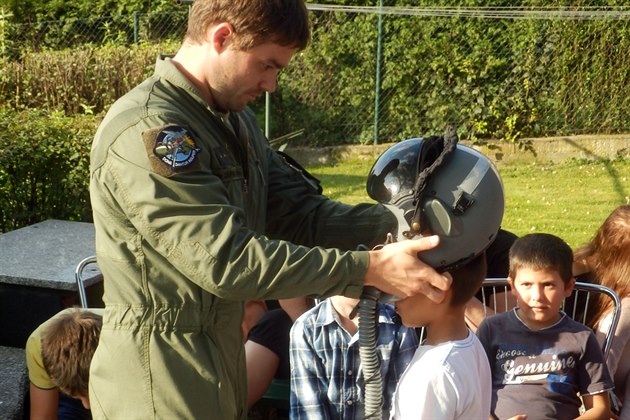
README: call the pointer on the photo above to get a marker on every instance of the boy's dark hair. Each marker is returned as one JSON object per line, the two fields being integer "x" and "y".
{"x": 467, "y": 280}
{"x": 539, "y": 251}
{"x": 284, "y": 22}
{"x": 68, "y": 345}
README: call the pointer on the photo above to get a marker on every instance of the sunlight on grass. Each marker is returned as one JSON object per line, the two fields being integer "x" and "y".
{"x": 570, "y": 200}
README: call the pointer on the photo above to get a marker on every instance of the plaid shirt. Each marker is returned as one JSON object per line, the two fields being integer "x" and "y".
{"x": 326, "y": 376}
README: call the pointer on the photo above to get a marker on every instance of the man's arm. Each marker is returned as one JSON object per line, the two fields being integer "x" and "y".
{"x": 44, "y": 403}
{"x": 297, "y": 211}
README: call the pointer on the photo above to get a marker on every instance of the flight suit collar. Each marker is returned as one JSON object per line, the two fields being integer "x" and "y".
{"x": 166, "y": 69}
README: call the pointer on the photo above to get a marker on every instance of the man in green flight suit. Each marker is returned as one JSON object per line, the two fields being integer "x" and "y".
{"x": 195, "y": 214}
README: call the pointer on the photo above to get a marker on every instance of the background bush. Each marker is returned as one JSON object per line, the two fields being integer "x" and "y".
{"x": 76, "y": 81}
{"x": 494, "y": 78}
{"x": 44, "y": 167}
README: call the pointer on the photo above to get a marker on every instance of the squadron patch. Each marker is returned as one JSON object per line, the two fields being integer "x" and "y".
{"x": 173, "y": 146}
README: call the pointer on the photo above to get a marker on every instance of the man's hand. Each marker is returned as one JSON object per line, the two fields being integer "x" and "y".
{"x": 396, "y": 269}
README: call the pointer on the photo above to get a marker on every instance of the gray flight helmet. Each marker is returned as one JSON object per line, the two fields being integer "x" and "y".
{"x": 462, "y": 199}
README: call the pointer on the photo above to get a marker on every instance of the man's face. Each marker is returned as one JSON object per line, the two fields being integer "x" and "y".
{"x": 243, "y": 76}
{"x": 540, "y": 294}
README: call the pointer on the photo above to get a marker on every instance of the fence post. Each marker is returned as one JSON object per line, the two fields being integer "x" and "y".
{"x": 136, "y": 27}
{"x": 377, "y": 87}
{"x": 267, "y": 114}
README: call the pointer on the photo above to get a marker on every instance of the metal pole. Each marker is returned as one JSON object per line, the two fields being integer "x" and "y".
{"x": 136, "y": 27}
{"x": 377, "y": 88}
{"x": 267, "y": 114}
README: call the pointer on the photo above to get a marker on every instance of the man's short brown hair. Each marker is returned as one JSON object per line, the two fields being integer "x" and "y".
{"x": 284, "y": 22}
{"x": 68, "y": 345}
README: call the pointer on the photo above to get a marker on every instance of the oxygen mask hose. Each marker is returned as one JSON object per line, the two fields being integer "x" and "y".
{"x": 370, "y": 362}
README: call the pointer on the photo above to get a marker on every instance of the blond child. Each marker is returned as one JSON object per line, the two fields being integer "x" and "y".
{"x": 58, "y": 356}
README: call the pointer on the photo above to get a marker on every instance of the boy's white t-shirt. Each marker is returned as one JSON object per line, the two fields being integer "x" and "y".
{"x": 449, "y": 381}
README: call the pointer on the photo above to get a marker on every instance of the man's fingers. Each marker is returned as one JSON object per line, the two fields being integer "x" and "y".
{"x": 422, "y": 244}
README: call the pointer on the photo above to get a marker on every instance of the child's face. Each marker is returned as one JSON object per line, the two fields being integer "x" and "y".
{"x": 416, "y": 311}
{"x": 540, "y": 294}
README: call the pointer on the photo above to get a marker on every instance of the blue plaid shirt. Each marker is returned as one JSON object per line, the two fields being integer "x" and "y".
{"x": 326, "y": 376}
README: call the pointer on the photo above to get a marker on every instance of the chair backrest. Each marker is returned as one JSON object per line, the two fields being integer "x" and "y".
{"x": 78, "y": 275}
{"x": 495, "y": 294}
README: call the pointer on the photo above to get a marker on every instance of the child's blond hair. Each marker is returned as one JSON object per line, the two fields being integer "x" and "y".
{"x": 68, "y": 345}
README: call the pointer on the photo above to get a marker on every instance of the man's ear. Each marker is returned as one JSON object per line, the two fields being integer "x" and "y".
{"x": 568, "y": 287}
{"x": 220, "y": 35}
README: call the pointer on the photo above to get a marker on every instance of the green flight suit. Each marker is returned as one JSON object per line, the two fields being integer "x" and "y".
{"x": 193, "y": 215}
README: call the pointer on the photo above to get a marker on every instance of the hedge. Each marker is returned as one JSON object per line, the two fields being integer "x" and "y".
{"x": 44, "y": 167}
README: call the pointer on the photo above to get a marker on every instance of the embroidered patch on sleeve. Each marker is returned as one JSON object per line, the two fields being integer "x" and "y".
{"x": 171, "y": 149}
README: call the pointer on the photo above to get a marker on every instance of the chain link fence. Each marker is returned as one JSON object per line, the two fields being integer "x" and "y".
{"x": 373, "y": 75}
{"x": 75, "y": 33}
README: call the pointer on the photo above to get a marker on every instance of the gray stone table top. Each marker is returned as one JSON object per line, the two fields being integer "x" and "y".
{"x": 46, "y": 254}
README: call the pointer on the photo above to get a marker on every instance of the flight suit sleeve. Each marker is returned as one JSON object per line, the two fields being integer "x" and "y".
{"x": 299, "y": 212}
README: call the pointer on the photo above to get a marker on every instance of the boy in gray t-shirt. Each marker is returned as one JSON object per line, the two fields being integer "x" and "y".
{"x": 542, "y": 361}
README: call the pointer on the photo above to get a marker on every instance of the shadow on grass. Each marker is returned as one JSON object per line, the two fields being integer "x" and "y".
{"x": 607, "y": 164}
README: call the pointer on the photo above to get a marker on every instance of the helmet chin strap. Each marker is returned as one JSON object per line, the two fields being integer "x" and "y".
{"x": 435, "y": 152}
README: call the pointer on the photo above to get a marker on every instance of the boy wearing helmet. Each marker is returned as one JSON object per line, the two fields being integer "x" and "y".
{"x": 449, "y": 375}
{"x": 453, "y": 191}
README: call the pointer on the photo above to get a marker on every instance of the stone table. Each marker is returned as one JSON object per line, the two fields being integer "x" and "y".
{"x": 37, "y": 274}
{"x": 13, "y": 383}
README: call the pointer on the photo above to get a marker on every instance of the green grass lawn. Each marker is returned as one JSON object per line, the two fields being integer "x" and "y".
{"x": 570, "y": 199}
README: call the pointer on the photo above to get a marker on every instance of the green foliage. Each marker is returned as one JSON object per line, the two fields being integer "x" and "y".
{"x": 505, "y": 79}
{"x": 493, "y": 78}
{"x": 44, "y": 167}
{"x": 330, "y": 85}
{"x": 74, "y": 81}
{"x": 46, "y": 10}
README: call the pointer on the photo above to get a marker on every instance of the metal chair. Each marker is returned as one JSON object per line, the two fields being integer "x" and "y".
{"x": 78, "y": 275}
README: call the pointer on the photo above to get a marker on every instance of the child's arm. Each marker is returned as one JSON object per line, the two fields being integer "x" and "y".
{"x": 597, "y": 406}
{"x": 43, "y": 403}
{"x": 476, "y": 313}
